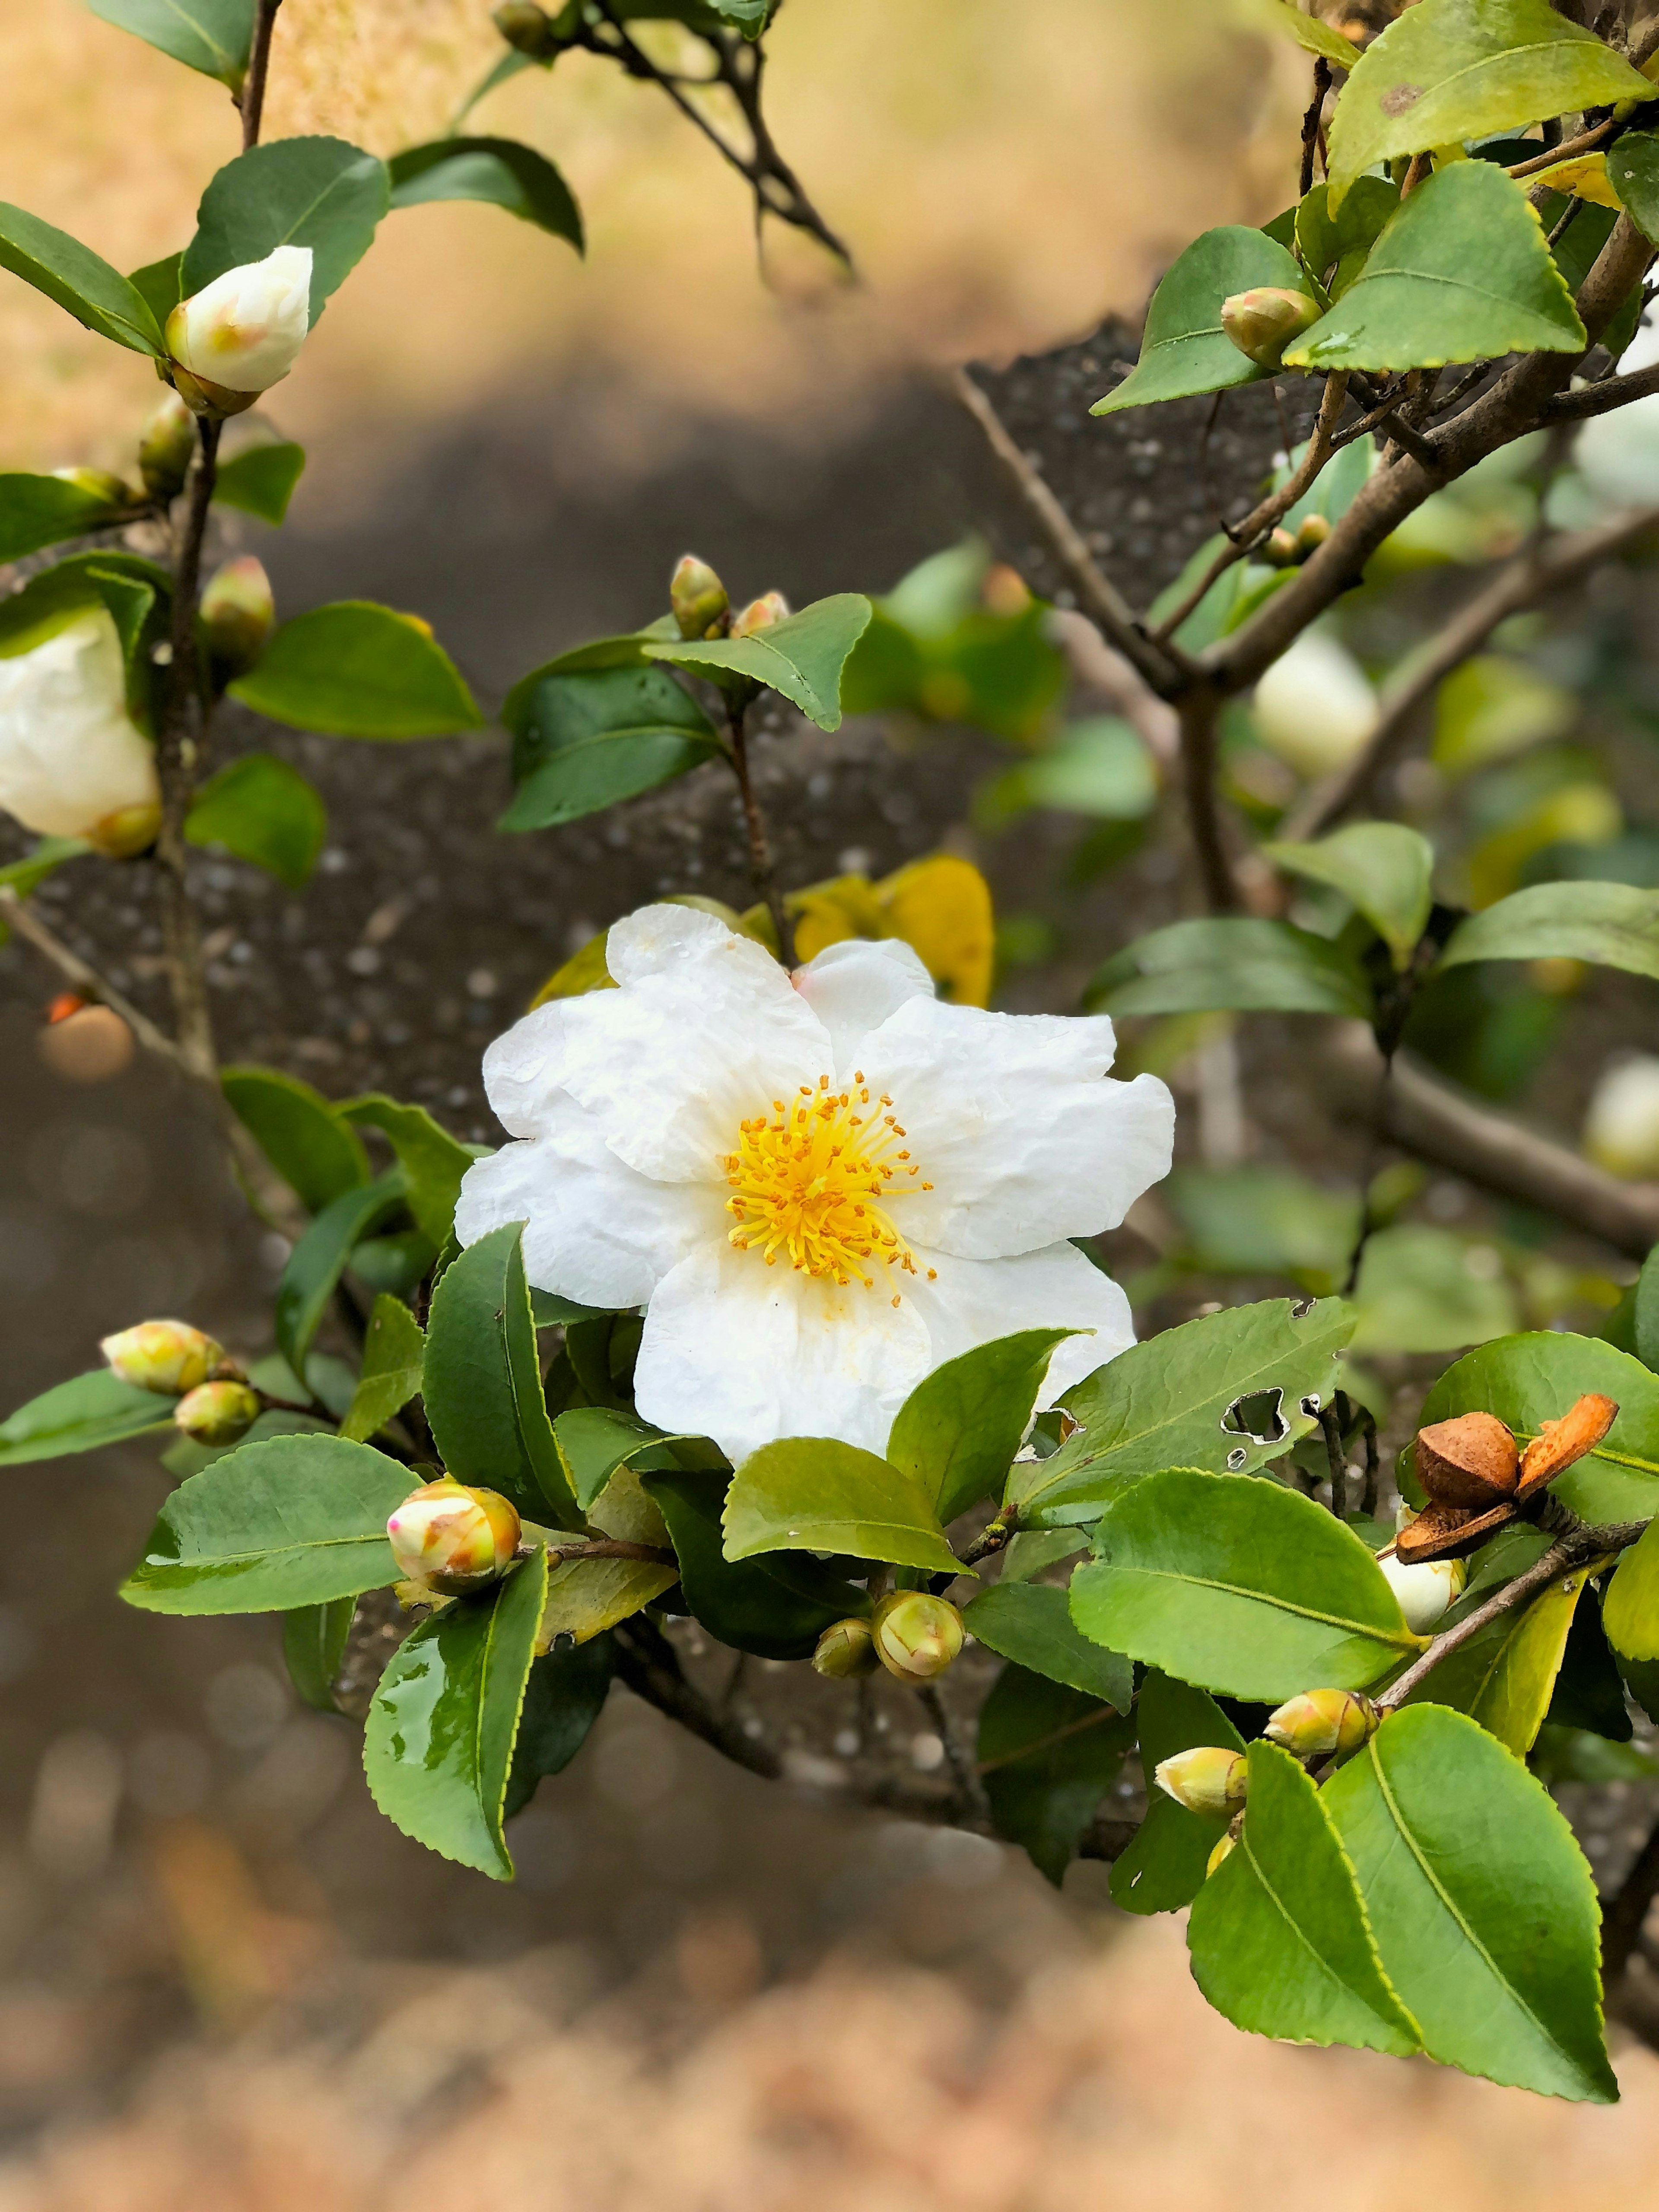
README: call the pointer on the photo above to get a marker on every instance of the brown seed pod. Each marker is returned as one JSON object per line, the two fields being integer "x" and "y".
{"x": 1471, "y": 1462}
{"x": 1441, "y": 1532}
{"x": 1558, "y": 1443}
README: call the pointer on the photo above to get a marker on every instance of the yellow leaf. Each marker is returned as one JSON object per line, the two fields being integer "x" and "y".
{"x": 1586, "y": 178}
{"x": 586, "y": 1596}
{"x": 942, "y": 907}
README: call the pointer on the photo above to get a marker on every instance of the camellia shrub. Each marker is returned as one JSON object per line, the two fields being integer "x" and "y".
{"x": 779, "y": 1311}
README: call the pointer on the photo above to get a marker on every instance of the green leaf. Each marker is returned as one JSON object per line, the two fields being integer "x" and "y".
{"x": 318, "y": 192}
{"x": 1100, "y": 767}
{"x": 594, "y": 1441}
{"x": 80, "y": 281}
{"x": 960, "y": 1427}
{"x": 481, "y": 1381}
{"x": 1416, "y": 1293}
{"x": 586, "y": 740}
{"x": 1030, "y": 1552}
{"x": 816, "y": 1494}
{"x": 1504, "y": 1675}
{"x": 777, "y": 1606}
{"x": 1644, "y": 1312}
{"x": 1633, "y": 173}
{"x": 1630, "y": 1611}
{"x": 1049, "y": 1755}
{"x": 1280, "y": 1944}
{"x": 1166, "y": 1403}
{"x": 586, "y": 1596}
{"x": 355, "y": 669}
{"x": 261, "y": 480}
{"x": 1451, "y": 69}
{"x": 213, "y": 36}
{"x": 260, "y": 810}
{"x": 563, "y": 1697}
{"x": 81, "y": 1415}
{"x": 1533, "y": 1378}
{"x": 1588, "y": 1695}
{"x": 1163, "y": 1867}
{"x": 1261, "y": 1220}
{"x": 1311, "y": 34}
{"x": 37, "y": 511}
{"x": 801, "y": 658}
{"x": 318, "y": 1260}
{"x": 1483, "y": 1909}
{"x": 393, "y": 1347}
{"x": 431, "y": 1160}
{"x": 1184, "y": 349}
{"x": 1030, "y": 1622}
{"x": 158, "y": 285}
{"x": 497, "y": 170}
{"x": 1382, "y": 868}
{"x": 1334, "y": 247}
{"x": 1246, "y": 964}
{"x": 1245, "y": 1588}
{"x": 1613, "y": 924}
{"x": 314, "y": 1638}
{"x": 315, "y": 1152}
{"x": 439, "y": 1745}
{"x": 295, "y": 1521}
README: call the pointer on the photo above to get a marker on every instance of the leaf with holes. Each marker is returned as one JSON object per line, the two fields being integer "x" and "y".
{"x": 1184, "y": 349}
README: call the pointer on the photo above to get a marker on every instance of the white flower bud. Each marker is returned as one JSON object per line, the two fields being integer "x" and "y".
{"x": 169, "y": 1356}
{"x": 452, "y": 1538}
{"x": 242, "y": 333}
{"x": 1208, "y": 1779}
{"x": 1424, "y": 1591}
{"x": 1314, "y": 707}
{"x": 72, "y": 764}
{"x": 217, "y": 1413}
{"x": 1621, "y": 1129}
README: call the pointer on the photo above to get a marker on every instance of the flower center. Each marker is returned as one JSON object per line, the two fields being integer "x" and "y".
{"x": 814, "y": 1181}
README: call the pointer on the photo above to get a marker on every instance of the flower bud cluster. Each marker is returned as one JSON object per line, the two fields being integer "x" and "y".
{"x": 449, "y": 1539}
{"x": 912, "y": 1633}
{"x": 219, "y": 1413}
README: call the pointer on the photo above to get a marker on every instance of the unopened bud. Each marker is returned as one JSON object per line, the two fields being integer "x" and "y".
{"x": 698, "y": 597}
{"x": 1280, "y": 550}
{"x": 1426, "y": 1590}
{"x": 761, "y": 614}
{"x": 1223, "y": 1847}
{"x": 242, "y": 333}
{"x": 97, "y": 483}
{"x": 528, "y": 29}
{"x": 168, "y": 1356}
{"x": 1005, "y": 591}
{"x": 1207, "y": 1779}
{"x": 1312, "y": 532}
{"x": 846, "y": 1648}
{"x": 1263, "y": 321}
{"x": 166, "y": 448}
{"x": 917, "y": 1634}
{"x": 238, "y": 616}
{"x": 1323, "y": 1721}
{"x": 217, "y": 1413}
{"x": 452, "y": 1538}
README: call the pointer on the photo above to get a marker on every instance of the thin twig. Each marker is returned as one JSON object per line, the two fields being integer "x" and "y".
{"x": 1585, "y": 142}
{"x": 1624, "y": 1914}
{"x": 85, "y": 979}
{"x": 1310, "y": 121}
{"x": 1602, "y": 397}
{"x": 964, "y": 1776}
{"x": 251, "y": 98}
{"x": 176, "y": 763}
{"x": 761, "y": 865}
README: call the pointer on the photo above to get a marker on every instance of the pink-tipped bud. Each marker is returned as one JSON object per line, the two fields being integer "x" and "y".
{"x": 917, "y": 1634}
{"x": 239, "y": 613}
{"x": 452, "y": 1538}
{"x": 846, "y": 1648}
{"x": 166, "y": 449}
{"x": 1207, "y": 1780}
{"x": 217, "y": 1413}
{"x": 761, "y": 614}
{"x": 1263, "y": 321}
{"x": 166, "y": 1356}
{"x": 698, "y": 597}
{"x": 1321, "y": 1721}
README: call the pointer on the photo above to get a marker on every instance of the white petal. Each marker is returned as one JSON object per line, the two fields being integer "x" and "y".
{"x": 521, "y": 1069}
{"x": 655, "y": 938}
{"x": 70, "y": 757}
{"x": 853, "y": 987}
{"x": 245, "y": 329}
{"x": 973, "y": 1301}
{"x": 595, "y": 1230}
{"x": 746, "y": 1354}
{"x": 1010, "y": 1118}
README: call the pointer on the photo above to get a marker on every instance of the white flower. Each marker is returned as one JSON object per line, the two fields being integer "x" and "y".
{"x": 1426, "y": 1590}
{"x": 244, "y": 330}
{"x": 1315, "y": 707}
{"x": 1621, "y": 1125}
{"x": 72, "y": 764}
{"x": 819, "y": 1188}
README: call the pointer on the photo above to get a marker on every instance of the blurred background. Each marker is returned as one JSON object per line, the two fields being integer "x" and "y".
{"x": 222, "y": 1976}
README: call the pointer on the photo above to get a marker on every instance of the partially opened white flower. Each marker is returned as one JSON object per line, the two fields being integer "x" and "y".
{"x": 819, "y": 1187}
{"x": 72, "y": 762}
{"x": 242, "y": 333}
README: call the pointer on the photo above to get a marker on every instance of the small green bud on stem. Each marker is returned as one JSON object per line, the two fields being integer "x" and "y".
{"x": 1207, "y": 1779}
{"x": 761, "y": 614}
{"x": 917, "y": 1634}
{"x": 237, "y": 615}
{"x": 166, "y": 1356}
{"x": 165, "y": 449}
{"x": 527, "y": 28}
{"x": 698, "y": 597}
{"x": 1263, "y": 321}
{"x": 452, "y": 1538}
{"x": 217, "y": 1413}
{"x": 1321, "y": 1721}
{"x": 846, "y": 1648}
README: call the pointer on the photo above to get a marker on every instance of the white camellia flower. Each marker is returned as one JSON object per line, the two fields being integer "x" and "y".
{"x": 1315, "y": 706}
{"x": 1426, "y": 1590}
{"x": 1621, "y": 1125}
{"x": 72, "y": 763}
{"x": 819, "y": 1187}
{"x": 242, "y": 333}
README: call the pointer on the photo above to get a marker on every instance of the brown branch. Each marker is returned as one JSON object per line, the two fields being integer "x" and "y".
{"x": 1200, "y": 715}
{"x": 760, "y": 865}
{"x": 1624, "y": 1913}
{"x": 1310, "y": 122}
{"x": 1602, "y": 397}
{"x": 83, "y": 977}
{"x": 608, "y": 1547}
{"x": 251, "y": 98}
{"x": 1585, "y": 142}
{"x": 970, "y": 1808}
{"x": 176, "y": 761}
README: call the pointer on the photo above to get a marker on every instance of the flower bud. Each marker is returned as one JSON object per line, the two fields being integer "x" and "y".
{"x": 1323, "y": 1721}
{"x": 1426, "y": 1590}
{"x": 166, "y": 449}
{"x": 72, "y": 763}
{"x": 452, "y": 1538}
{"x": 527, "y": 28}
{"x": 698, "y": 597}
{"x": 97, "y": 483}
{"x": 1005, "y": 591}
{"x": 1263, "y": 321}
{"x": 1280, "y": 550}
{"x": 1223, "y": 1844}
{"x": 1208, "y": 1780}
{"x": 916, "y": 1635}
{"x": 238, "y": 616}
{"x": 846, "y": 1648}
{"x": 1472, "y": 1461}
{"x": 217, "y": 1413}
{"x": 1312, "y": 532}
{"x": 169, "y": 1356}
{"x": 761, "y": 614}
{"x": 242, "y": 333}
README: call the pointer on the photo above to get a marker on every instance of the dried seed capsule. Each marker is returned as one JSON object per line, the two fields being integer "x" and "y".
{"x": 846, "y": 1648}
{"x": 168, "y": 1356}
{"x": 1473, "y": 1461}
{"x": 1323, "y": 1721}
{"x": 217, "y": 1413}
{"x": 1206, "y": 1779}
{"x": 452, "y": 1538}
{"x": 917, "y": 1634}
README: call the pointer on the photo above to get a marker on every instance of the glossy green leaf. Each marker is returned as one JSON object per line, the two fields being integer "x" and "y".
{"x": 1451, "y": 69}
{"x": 1588, "y": 1694}
{"x": 317, "y": 1154}
{"x": 37, "y": 511}
{"x": 960, "y": 1427}
{"x": 317, "y": 192}
{"x": 158, "y": 285}
{"x": 1030, "y": 1622}
{"x": 1383, "y": 869}
{"x": 431, "y": 1160}
{"x": 261, "y": 479}
{"x": 777, "y": 1606}
{"x": 816, "y": 1494}
{"x": 594, "y": 1441}
{"x": 213, "y": 36}
{"x": 1279, "y": 1940}
{"x": 80, "y": 281}
{"x": 1504, "y": 1675}
{"x": 318, "y": 1260}
{"x": 314, "y": 1638}
{"x": 1184, "y": 349}
{"x": 1166, "y": 1403}
{"x": 585, "y": 1597}
{"x": 355, "y": 669}
{"x": 1030, "y": 1552}
{"x": 1047, "y": 1755}
{"x": 1312, "y": 32}
{"x": 1245, "y": 963}
{"x": 499, "y": 170}
{"x": 297, "y": 1520}
{"x": 563, "y": 1697}
{"x": 1613, "y": 924}
{"x": 1163, "y": 1867}
{"x": 393, "y": 1348}
{"x": 442, "y": 1729}
{"x": 801, "y": 658}
{"x": 588, "y": 739}
{"x": 1630, "y": 1611}
{"x": 1483, "y": 1909}
{"x": 1243, "y": 1587}
{"x": 260, "y": 810}
{"x": 81, "y": 1415}
{"x": 1633, "y": 173}
{"x": 1334, "y": 247}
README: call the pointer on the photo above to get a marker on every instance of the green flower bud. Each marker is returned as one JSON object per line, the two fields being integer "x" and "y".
{"x": 1323, "y": 1721}
{"x": 1280, "y": 552}
{"x": 1223, "y": 1844}
{"x": 452, "y": 1538}
{"x": 1312, "y": 532}
{"x": 846, "y": 1648}
{"x": 238, "y": 616}
{"x": 527, "y": 28}
{"x": 166, "y": 448}
{"x": 168, "y": 1356}
{"x": 1207, "y": 1780}
{"x": 217, "y": 1413}
{"x": 698, "y": 597}
{"x": 916, "y": 1635}
{"x": 761, "y": 614}
{"x": 99, "y": 483}
{"x": 1263, "y": 321}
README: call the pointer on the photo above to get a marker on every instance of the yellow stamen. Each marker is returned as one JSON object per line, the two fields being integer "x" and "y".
{"x": 811, "y": 1184}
